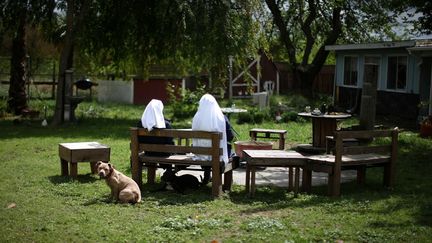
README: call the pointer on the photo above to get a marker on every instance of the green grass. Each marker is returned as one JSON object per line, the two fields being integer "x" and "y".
{"x": 52, "y": 208}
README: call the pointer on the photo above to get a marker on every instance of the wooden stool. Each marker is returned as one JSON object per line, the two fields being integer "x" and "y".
{"x": 81, "y": 152}
{"x": 276, "y": 158}
{"x": 255, "y": 133}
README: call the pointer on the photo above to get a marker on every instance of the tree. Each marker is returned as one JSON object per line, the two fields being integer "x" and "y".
{"x": 306, "y": 27}
{"x": 16, "y": 16}
{"x": 192, "y": 35}
{"x": 419, "y": 8}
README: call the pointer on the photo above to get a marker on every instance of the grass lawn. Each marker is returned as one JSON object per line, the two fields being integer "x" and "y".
{"x": 39, "y": 205}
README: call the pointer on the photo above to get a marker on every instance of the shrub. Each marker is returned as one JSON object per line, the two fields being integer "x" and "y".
{"x": 289, "y": 116}
{"x": 245, "y": 117}
{"x": 184, "y": 105}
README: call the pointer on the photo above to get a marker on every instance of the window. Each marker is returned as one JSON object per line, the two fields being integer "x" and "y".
{"x": 371, "y": 70}
{"x": 350, "y": 71}
{"x": 397, "y": 72}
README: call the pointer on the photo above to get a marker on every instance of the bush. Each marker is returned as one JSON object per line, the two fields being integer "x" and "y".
{"x": 184, "y": 106}
{"x": 289, "y": 116}
{"x": 253, "y": 116}
{"x": 245, "y": 117}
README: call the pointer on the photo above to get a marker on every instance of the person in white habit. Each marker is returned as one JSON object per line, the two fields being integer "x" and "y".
{"x": 209, "y": 117}
{"x": 153, "y": 118}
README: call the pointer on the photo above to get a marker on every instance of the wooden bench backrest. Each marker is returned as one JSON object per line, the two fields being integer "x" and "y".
{"x": 180, "y": 135}
{"x": 365, "y": 148}
{"x": 368, "y": 148}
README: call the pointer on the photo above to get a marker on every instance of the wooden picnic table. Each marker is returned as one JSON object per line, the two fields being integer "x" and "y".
{"x": 323, "y": 125}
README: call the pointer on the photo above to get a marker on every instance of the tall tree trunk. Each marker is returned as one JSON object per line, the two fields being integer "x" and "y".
{"x": 66, "y": 62}
{"x": 17, "y": 93}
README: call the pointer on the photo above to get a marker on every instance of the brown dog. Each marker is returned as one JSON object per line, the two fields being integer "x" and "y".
{"x": 123, "y": 188}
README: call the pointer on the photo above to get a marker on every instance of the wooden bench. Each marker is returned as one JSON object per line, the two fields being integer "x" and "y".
{"x": 358, "y": 157}
{"x": 180, "y": 155}
{"x": 267, "y": 133}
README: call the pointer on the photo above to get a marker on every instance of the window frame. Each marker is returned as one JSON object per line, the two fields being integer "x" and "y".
{"x": 396, "y": 89}
{"x": 356, "y": 85}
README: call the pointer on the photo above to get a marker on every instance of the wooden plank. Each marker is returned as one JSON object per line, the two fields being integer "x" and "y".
{"x": 367, "y": 149}
{"x": 178, "y": 133}
{"x": 167, "y": 148}
{"x": 364, "y": 134}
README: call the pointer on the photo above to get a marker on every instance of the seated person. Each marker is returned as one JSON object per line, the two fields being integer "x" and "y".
{"x": 209, "y": 117}
{"x": 153, "y": 118}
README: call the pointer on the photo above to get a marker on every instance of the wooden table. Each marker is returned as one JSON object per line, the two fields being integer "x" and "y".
{"x": 73, "y": 153}
{"x": 229, "y": 110}
{"x": 275, "y": 158}
{"x": 322, "y": 126}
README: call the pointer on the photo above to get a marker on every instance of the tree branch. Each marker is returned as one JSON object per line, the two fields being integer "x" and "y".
{"x": 285, "y": 35}
{"x": 306, "y": 28}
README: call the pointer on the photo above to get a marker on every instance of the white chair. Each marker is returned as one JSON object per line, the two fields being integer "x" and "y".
{"x": 269, "y": 86}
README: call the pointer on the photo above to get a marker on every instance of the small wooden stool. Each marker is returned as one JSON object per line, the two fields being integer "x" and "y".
{"x": 255, "y": 133}
{"x": 81, "y": 152}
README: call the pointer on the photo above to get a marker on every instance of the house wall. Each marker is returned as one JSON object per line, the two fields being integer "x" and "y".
{"x": 397, "y": 102}
{"x": 146, "y": 90}
{"x": 413, "y": 69}
{"x": 388, "y": 103}
{"x": 115, "y": 91}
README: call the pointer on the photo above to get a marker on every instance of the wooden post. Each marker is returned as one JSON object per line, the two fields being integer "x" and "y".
{"x": 230, "y": 94}
{"x": 369, "y": 94}
{"x": 53, "y": 82}
{"x": 216, "y": 172}
{"x": 136, "y": 166}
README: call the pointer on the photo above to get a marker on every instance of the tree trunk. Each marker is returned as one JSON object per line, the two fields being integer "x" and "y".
{"x": 66, "y": 62}
{"x": 17, "y": 93}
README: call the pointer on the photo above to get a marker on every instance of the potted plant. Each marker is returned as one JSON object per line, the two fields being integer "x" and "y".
{"x": 426, "y": 127}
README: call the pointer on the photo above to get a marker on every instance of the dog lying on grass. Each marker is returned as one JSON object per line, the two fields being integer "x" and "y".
{"x": 181, "y": 183}
{"x": 123, "y": 188}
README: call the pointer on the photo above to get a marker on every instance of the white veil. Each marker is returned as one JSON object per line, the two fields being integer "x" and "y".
{"x": 153, "y": 115}
{"x": 209, "y": 117}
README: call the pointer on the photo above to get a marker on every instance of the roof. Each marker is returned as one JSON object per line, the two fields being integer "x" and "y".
{"x": 427, "y": 43}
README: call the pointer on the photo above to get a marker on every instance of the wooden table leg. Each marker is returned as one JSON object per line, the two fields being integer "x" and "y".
{"x": 64, "y": 167}
{"x": 93, "y": 167}
{"x": 252, "y": 190}
{"x": 290, "y": 178}
{"x": 247, "y": 183}
{"x": 306, "y": 180}
{"x": 73, "y": 169}
{"x": 297, "y": 181}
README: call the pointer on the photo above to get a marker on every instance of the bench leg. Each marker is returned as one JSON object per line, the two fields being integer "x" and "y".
{"x": 151, "y": 173}
{"x": 388, "y": 175}
{"x": 334, "y": 184}
{"x": 74, "y": 169}
{"x": 361, "y": 175}
{"x": 228, "y": 178}
{"x": 64, "y": 167}
{"x": 216, "y": 184}
{"x": 137, "y": 171}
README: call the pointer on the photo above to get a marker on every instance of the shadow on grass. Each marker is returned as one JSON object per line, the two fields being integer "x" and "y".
{"x": 96, "y": 128}
{"x": 58, "y": 179}
{"x": 94, "y": 201}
